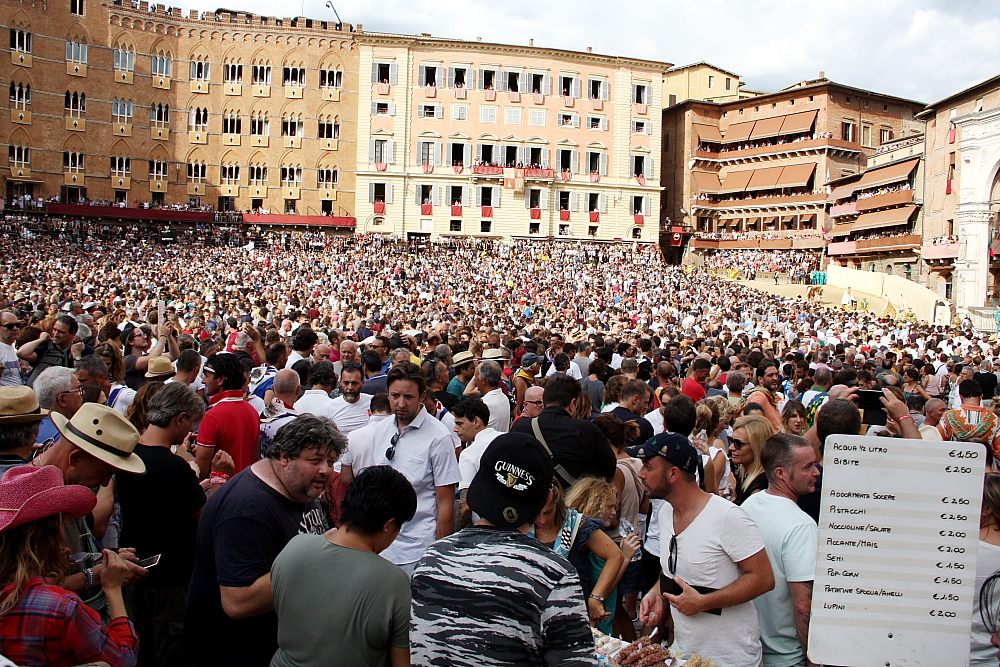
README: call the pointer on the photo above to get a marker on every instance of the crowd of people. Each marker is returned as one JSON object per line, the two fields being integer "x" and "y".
{"x": 309, "y": 450}
{"x": 710, "y": 147}
{"x": 796, "y": 264}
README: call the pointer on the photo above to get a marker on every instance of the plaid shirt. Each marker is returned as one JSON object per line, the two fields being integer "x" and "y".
{"x": 52, "y": 626}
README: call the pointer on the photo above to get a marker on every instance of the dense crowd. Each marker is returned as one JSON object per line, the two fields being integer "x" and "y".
{"x": 280, "y": 448}
{"x": 796, "y": 264}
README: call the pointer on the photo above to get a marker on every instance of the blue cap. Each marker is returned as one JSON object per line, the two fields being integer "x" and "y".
{"x": 674, "y": 447}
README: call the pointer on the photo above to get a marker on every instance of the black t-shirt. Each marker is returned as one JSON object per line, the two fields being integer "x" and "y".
{"x": 244, "y": 527}
{"x": 134, "y": 379}
{"x": 645, "y": 428}
{"x": 156, "y": 514}
{"x": 988, "y": 381}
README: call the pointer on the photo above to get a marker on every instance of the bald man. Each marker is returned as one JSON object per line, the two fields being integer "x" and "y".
{"x": 533, "y": 405}
{"x": 934, "y": 410}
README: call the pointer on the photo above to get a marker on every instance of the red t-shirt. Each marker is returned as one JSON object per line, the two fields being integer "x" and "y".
{"x": 692, "y": 389}
{"x": 233, "y": 425}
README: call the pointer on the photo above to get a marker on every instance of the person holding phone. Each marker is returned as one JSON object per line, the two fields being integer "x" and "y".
{"x": 712, "y": 557}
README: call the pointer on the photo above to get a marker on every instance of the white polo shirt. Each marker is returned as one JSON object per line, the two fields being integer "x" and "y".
{"x": 468, "y": 462}
{"x": 349, "y": 416}
{"x": 359, "y": 445}
{"x": 425, "y": 454}
{"x": 499, "y": 406}
{"x": 314, "y": 402}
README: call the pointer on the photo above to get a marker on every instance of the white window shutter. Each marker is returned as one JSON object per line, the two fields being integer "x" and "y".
{"x": 419, "y": 153}
{"x": 439, "y": 111}
{"x": 635, "y": 89}
{"x": 479, "y": 195}
{"x": 575, "y": 89}
{"x": 465, "y": 195}
{"x": 392, "y": 108}
{"x": 374, "y": 108}
{"x": 481, "y": 79}
{"x": 371, "y": 151}
{"x": 421, "y": 77}
{"x": 604, "y": 124}
{"x": 604, "y": 90}
{"x": 393, "y": 68}
{"x": 602, "y": 203}
{"x": 522, "y": 152}
{"x": 371, "y": 193}
{"x": 545, "y": 158}
{"x": 547, "y": 84}
{"x": 440, "y": 78}
{"x": 647, "y": 166}
{"x": 467, "y": 155}
{"x": 438, "y": 153}
{"x": 575, "y": 161}
{"x": 388, "y": 193}
{"x": 451, "y": 77}
{"x": 496, "y": 197}
{"x": 645, "y": 205}
{"x": 500, "y": 77}
{"x": 436, "y": 194}
{"x": 603, "y": 164}
{"x": 479, "y": 152}
{"x": 574, "y": 201}
{"x": 374, "y": 72}
{"x": 631, "y": 166}
{"x": 470, "y": 78}
{"x": 390, "y": 149}
{"x": 527, "y": 198}
{"x": 576, "y": 120}
{"x": 543, "y": 201}
{"x": 416, "y": 196}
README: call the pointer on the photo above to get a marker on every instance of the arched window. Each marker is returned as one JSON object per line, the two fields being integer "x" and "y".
{"x": 329, "y": 127}
{"x": 158, "y": 170}
{"x": 162, "y": 64}
{"x": 73, "y": 162}
{"x": 76, "y": 52}
{"x": 230, "y": 174}
{"x": 258, "y": 174}
{"x": 197, "y": 171}
{"x": 293, "y": 75}
{"x": 198, "y": 119}
{"x": 326, "y": 178}
{"x": 121, "y": 109}
{"x": 291, "y": 125}
{"x": 121, "y": 166}
{"x": 232, "y": 72}
{"x": 261, "y": 71}
{"x": 75, "y": 103}
{"x": 291, "y": 176}
{"x": 232, "y": 123}
{"x": 160, "y": 115}
{"x": 19, "y": 156}
{"x": 200, "y": 68}
{"x": 125, "y": 58}
{"x": 259, "y": 124}
{"x": 20, "y": 95}
{"x": 331, "y": 78}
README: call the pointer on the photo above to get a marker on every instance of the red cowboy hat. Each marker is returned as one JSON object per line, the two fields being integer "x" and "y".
{"x": 28, "y": 493}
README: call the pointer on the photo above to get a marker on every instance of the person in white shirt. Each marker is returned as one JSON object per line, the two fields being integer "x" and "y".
{"x": 316, "y": 401}
{"x": 419, "y": 446}
{"x": 349, "y": 411}
{"x": 360, "y": 441}
{"x": 92, "y": 370}
{"x": 280, "y": 410}
{"x": 471, "y": 418}
{"x": 488, "y": 377}
{"x": 9, "y": 328}
{"x": 790, "y": 537}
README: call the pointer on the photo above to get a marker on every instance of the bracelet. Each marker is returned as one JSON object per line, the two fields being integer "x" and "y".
{"x": 88, "y": 576}
{"x": 218, "y": 478}
{"x": 599, "y": 598}
{"x": 899, "y": 419}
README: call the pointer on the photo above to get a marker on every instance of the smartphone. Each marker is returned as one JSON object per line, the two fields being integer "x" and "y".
{"x": 868, "y": 399}
{"x": 668, "y": 585}
{"x": 149, "y": 562}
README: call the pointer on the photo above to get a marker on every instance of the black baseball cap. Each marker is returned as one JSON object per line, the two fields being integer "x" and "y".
{"x": 513, "y": 482}
{"x": 674, "y": 447}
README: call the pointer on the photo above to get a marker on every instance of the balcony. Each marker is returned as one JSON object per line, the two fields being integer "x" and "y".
{"x": 903, "y": 242}
{"x": 886, "y": 200}
{"x": 74, "y": 178}
{"x": 124, "y": 76}
{"x": 76, "y": 124}
{"x": 841, "y": 248}
{"x": 763, "y": 202}
{"x": 791, "y": 148}
{"x": 76, "y": 69}
{"x": 234, "y": 89}
{"x": 939, "y": 251}
{"x": 487, "y": 170}
{"x": 539, "y": 173}
{"x": 162, "y": 82}
{"x": 159, "y": 133}
{"x": 850, "y": 208}
{"x": 20, "y": 116}
{"x": 199, "y": 86}
{"x": 261, "y": 90}
{"x": 331, "y": 95}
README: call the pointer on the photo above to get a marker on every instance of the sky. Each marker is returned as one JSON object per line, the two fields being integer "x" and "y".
{"x": 922, "y": 50}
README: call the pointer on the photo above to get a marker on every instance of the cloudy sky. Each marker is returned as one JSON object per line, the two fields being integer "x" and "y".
{"x": 918, "y": 49}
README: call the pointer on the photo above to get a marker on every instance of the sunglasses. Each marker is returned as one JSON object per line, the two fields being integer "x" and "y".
{"x": 11, "y": 326}
{"x": 740, "y": 444}
{"x": 352, "y": 366}
{"x": 391, "y": 452}
{"x": 672, "y": 555}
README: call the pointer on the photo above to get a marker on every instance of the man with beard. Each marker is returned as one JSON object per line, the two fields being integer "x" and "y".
{"x": 229, "y": 618}
{"x": 418, "y": 445}
{"x": 766, "y": 391}
{"x": 710, "y": 543}
{"x": 349, "y": 411}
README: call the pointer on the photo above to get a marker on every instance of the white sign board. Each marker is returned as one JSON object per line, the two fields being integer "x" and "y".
{"x": 896, "y": 565}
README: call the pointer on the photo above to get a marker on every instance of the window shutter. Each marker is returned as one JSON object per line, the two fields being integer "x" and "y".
{"x": 470, "y": 78}
{"x": 631, "y": 166}
{"x": 522, "y": 154}
{"x": 527, "y": 198}
{"x": 635, "y": 92}
{"x": 543, "y": 201}
{"x": 374, "y": 108}
{"x": 479, "y": 195}
{"x": 392, "y": 74}
{"x": 604, "y": 124}
{"x": 481, "y": 79}
{"x": 438, "y": 153}
{"x": 603, "y": 164}
{"x": 574, "y": 201}
{"x": 439, "y": 111}
{"x": 421, "y": 76}
{"x": 575, "y": 88}
{"x": 392, "y": 108}
{"x": 388, "y": 193}
{"x": 371, "y": 151}
{"x": 419, "y": 153}
{"x": 440, "y": 78}
{"x": 496, "y": 197}
{"x": 604, "y": 90}
{"x": 645, "y": 204}
{"x": 467, "y": 155}
{"x": 479, "y": 152}
{"x": 465, "y": 195}
{"x": 390, "y": 149}
{"x": 501, "y": 80}
{"x": 647, "y": 166}
{"x": 602, "y": 203}
{"x": 436, "y": 194}
{"x": 371, "y": 193}
{"x": 575, "y": 161}
{"x": 451, "y": 77}
{"x": 547, "y": 85}
{"x": 545, "y": 158}
{"x": 576, "y": 121}
{"x": 416, "y": 196}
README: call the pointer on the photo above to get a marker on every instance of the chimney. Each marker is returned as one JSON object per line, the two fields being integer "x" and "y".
{"x": 822, "y": 74}
{"x": 590, "y": 49}
{"x": 531, "y": 42}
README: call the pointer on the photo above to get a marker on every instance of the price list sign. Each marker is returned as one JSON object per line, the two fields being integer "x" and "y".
{"x": 896, "y": 564}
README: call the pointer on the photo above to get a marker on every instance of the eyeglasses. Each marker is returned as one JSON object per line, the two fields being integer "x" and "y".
{"x": 78, "y": 390}
{"x": 352, "y": 366}
{"x": 11, "y": 326}
{"x": 539, "y": 403}
{"x": 672, "y": 555}
{"x": 391, "y": 452}
{"x": 740, "y": 444}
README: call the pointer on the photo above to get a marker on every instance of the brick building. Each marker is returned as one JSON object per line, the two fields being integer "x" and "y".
{"x": 753, "y": 173}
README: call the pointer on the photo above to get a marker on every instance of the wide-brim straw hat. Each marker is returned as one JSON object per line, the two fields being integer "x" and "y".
{"x": 19, "y": 405}
{"x": 104, "y": 434}
{"x": 28, "y": 494}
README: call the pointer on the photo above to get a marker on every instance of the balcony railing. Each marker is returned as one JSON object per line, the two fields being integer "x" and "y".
{"x": 539, "y": 173}
{"x": 889, "y": 243}
{"x": 886, "y": 200}
{"x": 849, "y": 208}
{"x": 779, "y": 149}
{"x": 939, "y": 251}
{"x": 487, "y": 170}
{"x": 762, "y": 202}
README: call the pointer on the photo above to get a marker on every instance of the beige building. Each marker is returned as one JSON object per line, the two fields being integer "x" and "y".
{"x": 472, "y": 139}
{"x": 961, "y": 241}
{"x": 143, "y": 106}
{"x": 702, "y": 81}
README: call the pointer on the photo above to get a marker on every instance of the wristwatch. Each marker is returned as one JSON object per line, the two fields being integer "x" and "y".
{"x": 599, "y": 598}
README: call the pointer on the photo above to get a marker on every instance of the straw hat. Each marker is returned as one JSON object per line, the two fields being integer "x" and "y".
{"x": 493, "y": 354}
{"x": 461, "y": 359}
{"x": 28, "y": 493}
{"x": 160, "y": 367}
{"x": 104, "y": 434}
{"x": 19, "y": 405}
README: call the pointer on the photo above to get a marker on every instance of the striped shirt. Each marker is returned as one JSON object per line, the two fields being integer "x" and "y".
{"x": 488, "y": 597}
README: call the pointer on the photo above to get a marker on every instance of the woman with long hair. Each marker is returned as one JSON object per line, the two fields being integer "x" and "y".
{"x": 793, "y": 418}
{"x": 982, "y": 651}
{"x": 41, "y": 623}
{"x": 138, "y": 411}
{"x": 706, "y": 428}
{"x": 745, "y": 445}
